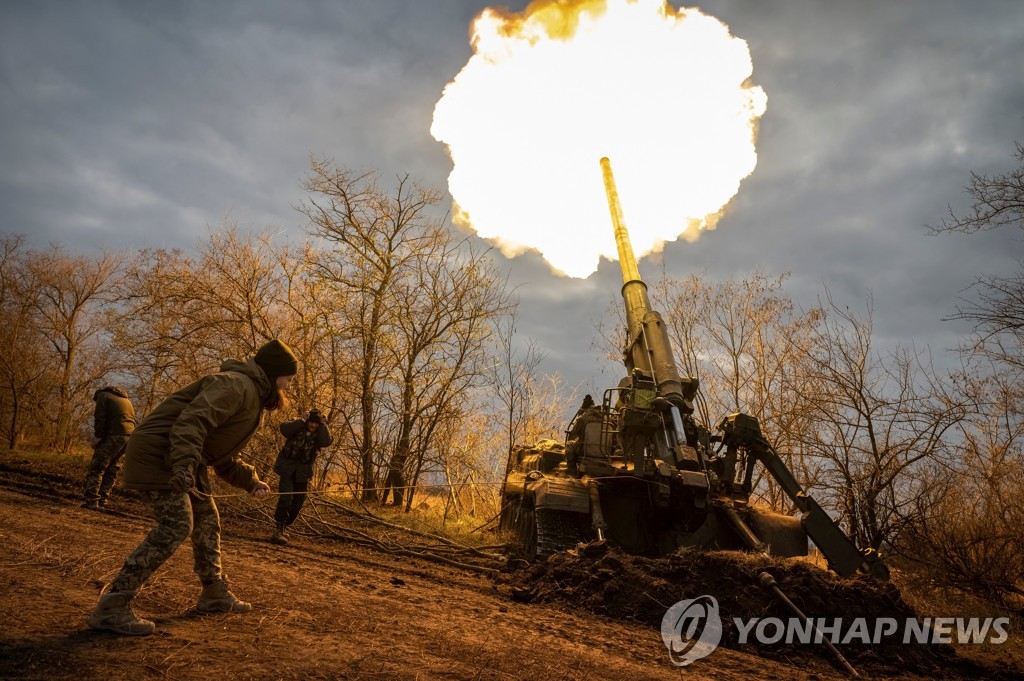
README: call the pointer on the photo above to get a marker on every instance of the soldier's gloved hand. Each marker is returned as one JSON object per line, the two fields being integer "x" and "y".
{"x": 182, "y": 481}
{"x": 261, "y": 489}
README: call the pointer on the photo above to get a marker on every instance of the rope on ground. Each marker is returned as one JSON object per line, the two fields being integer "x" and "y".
{"x": 445, "y": 540}
{"x": 432, "y": 553}
{"x": 439, "y": 548}
{"x": 354, "y": 490}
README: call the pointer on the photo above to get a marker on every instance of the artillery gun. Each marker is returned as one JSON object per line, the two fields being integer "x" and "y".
{"x": 637, "y": 468}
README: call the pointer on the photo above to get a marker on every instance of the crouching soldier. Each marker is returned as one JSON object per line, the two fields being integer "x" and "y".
{"x": 304, "y": 438}
{"x": 113, "y": 422}
{"x": 203, "y": 425}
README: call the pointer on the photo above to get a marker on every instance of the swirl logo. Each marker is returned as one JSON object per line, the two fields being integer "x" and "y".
{"x": 691, "y": 629}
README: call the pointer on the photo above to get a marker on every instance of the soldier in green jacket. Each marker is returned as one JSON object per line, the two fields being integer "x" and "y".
{"x": 113, "y": 422}
{"x": 204, "y": 425}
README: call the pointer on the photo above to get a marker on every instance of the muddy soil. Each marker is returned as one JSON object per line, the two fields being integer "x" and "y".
{"x": 329, "y": 610}
{"x": 633, "y": 588}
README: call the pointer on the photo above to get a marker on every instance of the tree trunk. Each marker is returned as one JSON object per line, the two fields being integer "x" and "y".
{"x": 396, "y": 477}
{"x": 366, "y": 451}
{"x": 14, "y": 420}
{"x": 412, "y": 485}
{"x": 395, "y": 483}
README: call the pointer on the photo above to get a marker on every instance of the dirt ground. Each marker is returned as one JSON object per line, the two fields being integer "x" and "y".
{"x": 322, "y": 610}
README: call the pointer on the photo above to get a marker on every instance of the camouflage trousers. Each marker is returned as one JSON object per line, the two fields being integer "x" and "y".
{"x": 178, "y": 516}
{"x": 106, "y": 463}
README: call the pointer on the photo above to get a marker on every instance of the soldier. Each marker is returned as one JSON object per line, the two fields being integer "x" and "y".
{"x": 304, "y": 439}
{"x": 586, "y": 414}
{"x": 113, "y": 422}
{"x": 202, "y": 425}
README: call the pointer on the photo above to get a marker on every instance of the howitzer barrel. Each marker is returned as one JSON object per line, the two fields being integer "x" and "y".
{"x": 648, "y": 348}
{"x": 630, "y": 271}
{"x": 634, "y": 290}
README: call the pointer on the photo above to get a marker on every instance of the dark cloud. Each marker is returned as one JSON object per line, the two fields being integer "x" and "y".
{"x": 160, "y": 118}
{"x": 138, "y": 124}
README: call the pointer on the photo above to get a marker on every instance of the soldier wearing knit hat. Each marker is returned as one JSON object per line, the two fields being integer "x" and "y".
{"x": 278, "y": 362}
{"x": 200, "y": 429}
{"x": 276, "y": 359}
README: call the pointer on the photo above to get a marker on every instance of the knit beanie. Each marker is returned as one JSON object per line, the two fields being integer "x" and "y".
{"x": 314, "y": 416}
{"x": 277, "y": 359}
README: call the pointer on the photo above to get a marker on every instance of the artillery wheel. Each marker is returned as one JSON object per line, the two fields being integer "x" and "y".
{"x": 556, "y": 531}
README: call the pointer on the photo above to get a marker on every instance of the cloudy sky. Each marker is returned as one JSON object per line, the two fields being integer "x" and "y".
{"x": 142, "y": 124}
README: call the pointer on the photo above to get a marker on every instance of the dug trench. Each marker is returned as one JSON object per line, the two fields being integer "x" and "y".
{"x": 325, "y": 609}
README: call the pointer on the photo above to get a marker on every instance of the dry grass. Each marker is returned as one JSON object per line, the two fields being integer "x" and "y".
{"x": 429, "y": 516}
{"x": 77, "y": 459}
{"x": 930, "y": 598}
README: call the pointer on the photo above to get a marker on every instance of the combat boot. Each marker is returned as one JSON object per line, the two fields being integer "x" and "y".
{"x": 279, "y": 536}
{"x": 114, "y": 613}
{"x": 217, "y": 598}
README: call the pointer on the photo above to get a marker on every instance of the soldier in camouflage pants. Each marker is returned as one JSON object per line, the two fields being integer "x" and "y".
{"x": 113, "y": 423}
{"x": 177, "y": 516}
{"x": 201, "y": 427}
{"x": 107, "y": 459}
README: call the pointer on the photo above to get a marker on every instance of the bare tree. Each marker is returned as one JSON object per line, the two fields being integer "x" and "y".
{"x": 550, "y": 402}
{"x": 468, "y": 473}
{"x": 968, "y": 525}
{"x": 161, "y": 328}
{"x": 22, "y": 362}
{"x": 316, "y": 314}
{"x": 998, "y": 317}
{"x": 740, "y": 337}
{"x": 74, "y": 291}
{"x": 998, "y": 311}
{"x": 880, "y": 419}
{"x": 441, "y": 333}
{"x": 998, "y": 201}
{"x": 374, "y": 237}
{"x": 966, "y": 528}
{"x": 240, "y": 279}
{"x": 180, "y": 316}
{"x": 514, "y": 371}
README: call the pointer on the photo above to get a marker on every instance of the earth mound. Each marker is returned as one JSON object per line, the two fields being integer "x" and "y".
{"x": 617, "y": 585}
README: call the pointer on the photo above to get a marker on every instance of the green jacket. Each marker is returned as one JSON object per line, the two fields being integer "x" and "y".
{"x": 204, "y": 424}
{"x": 114, "y": 414}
